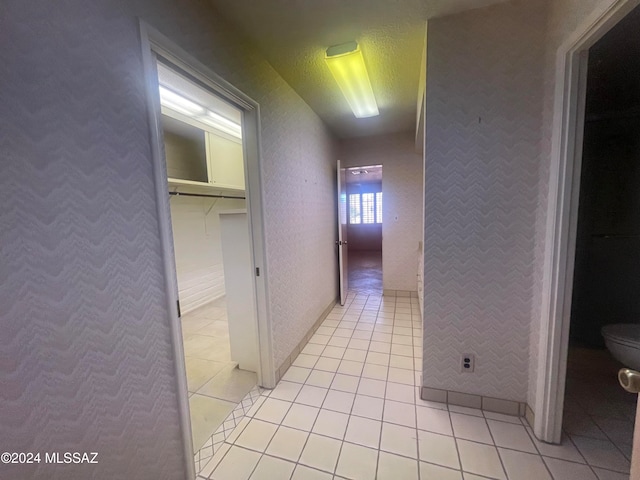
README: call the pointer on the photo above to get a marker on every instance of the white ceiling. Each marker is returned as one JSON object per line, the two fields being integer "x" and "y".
{"x": 294, "y": 34}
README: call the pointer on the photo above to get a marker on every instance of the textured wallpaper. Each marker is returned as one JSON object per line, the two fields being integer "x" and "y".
{"x": 484, "y": 110}
{"x": 402, "y": 194}
{"x": 298, "y": 158}
{"x": 564, "y": 17}
{"x": 85, "y": 356}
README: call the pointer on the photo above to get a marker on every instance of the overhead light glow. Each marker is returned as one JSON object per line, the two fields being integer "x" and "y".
{"x": 180, "y": 104}
{"x": 221, "y": 123}
{"x": 172, "y": 100}
{"x": 224, "y": 122}
{"x": 346, "y": 64}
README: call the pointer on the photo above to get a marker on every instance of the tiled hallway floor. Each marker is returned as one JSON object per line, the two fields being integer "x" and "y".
{"x": 349, "y": 409}
{"x": 215, "y": 383}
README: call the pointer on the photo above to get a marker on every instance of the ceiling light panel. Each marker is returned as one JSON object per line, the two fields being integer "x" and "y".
{"x": 347, "y": 66}
{"x": 181, "y": 95}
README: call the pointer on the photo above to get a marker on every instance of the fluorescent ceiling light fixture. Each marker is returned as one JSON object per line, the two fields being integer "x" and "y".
{"x": 220, "y": 123}
{"x": 171, "y": 99}
{"x": 224, "y": 121}
{"x": 180, "y": 104}
{"x": 347, "y": 67}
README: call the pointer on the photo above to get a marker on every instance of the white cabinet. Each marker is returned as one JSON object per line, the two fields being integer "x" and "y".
{"x": 185, "y": 151}
{"x": 199, "y": 155}
{"x": 226, "y": 164}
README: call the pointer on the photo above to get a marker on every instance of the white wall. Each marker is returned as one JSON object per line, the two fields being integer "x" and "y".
{"x": 402, "y": 194}
{"x": 198, "y": 249}
{"x": 484, "y": 108}
{"x": 85, "y": 351}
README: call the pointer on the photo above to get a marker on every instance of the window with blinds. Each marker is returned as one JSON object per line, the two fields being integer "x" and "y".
{"x": 365, "y": 208}
{"x": 355, "y": 209}
{"x": 368, "y": 204}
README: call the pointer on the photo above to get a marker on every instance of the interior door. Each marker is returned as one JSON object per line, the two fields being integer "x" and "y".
{"x": 342, "y": 234}
{"x": 630, "y": 381}
{"x": 635, "y": 455}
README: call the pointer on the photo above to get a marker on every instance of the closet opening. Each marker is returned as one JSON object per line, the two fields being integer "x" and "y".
{"x": 202, "y": 138}
{"x": 205, "y": 142}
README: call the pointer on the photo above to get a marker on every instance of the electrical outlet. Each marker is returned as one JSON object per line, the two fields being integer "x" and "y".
{"x": 467, "y": 363}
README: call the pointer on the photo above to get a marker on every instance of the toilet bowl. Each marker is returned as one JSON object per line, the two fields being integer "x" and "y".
{"x": 623, "y": 342}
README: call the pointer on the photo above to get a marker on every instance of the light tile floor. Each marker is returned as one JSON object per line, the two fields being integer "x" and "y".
{"x": 349, "y": 408}
{"x": 215, "y": 383}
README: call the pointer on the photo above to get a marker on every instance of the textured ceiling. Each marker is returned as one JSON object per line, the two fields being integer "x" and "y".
{"x": 294, "y": 34}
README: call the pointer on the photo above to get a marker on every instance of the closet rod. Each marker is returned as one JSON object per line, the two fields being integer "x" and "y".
{"x": 180, "y": 194}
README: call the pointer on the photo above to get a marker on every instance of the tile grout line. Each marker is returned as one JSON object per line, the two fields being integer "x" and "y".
{"x": 415, "y": 401}
{"x": 539, "y": 453}
{"x": 608, "y": 437}
{"x": 354, "y": 398}
{"x": 384, "y": 401}
{"x": 587, "y": 463}
{"x": 504, "y": 469}
{"x": 344, "y": 439}
{"x": 455, "y": 440}
{"x": 322, "y": 404}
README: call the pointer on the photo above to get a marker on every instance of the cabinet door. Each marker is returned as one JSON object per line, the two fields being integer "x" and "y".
{"x": 226, "y": 163}
{"x": 185, "y": 152}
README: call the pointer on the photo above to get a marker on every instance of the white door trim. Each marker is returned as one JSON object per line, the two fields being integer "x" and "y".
{"x": 154, "y": 43}
{"x": 562, "y": 215}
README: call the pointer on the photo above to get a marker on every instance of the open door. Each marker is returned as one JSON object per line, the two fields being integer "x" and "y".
{"x": 342, "y": 234}
{"x": 630, "y": 381}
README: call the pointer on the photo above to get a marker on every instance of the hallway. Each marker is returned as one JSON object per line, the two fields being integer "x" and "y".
{"x": 349, "y": 408}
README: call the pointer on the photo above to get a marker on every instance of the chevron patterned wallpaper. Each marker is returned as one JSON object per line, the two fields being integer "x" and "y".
{"x": 484, "y": 110}
{"x": 564, "y": 17}
{"x": 402, "y": 190}
{"x": 85, "y": 356}
{"x": 298, "y": 155}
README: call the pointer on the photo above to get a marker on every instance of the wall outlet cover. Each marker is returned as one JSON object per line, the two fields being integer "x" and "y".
{"x": 467, "y": 363}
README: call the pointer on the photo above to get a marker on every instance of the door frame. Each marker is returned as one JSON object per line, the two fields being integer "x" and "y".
{"x": 562, "y": 214}
{"x": 155, "y": 43}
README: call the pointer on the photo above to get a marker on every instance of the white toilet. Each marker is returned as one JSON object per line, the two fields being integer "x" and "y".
{"x": 623, "y": 342}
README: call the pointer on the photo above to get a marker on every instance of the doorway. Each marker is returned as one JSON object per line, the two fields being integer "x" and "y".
{"x": 202, "y": 138}
{"x": 575, "y": 119}
{"x": 364, "y": 228}
{"x": 606, "y": 279}
{"x": 205, "y": 142}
